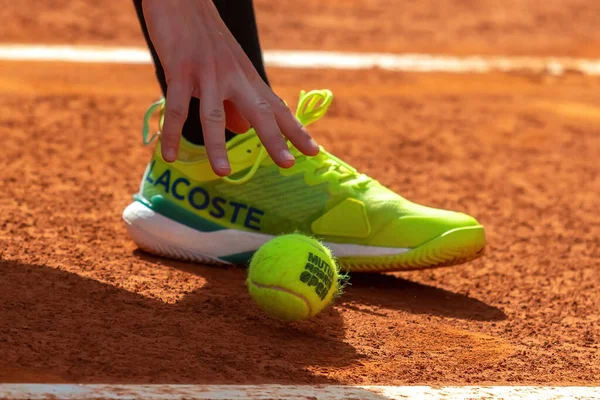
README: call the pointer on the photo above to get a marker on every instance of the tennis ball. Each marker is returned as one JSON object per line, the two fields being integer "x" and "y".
{"x": 293, "y": 277}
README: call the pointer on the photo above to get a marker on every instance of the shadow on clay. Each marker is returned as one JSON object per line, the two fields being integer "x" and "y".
{"x": 382, "y": 290}
{"x": 276, "y": 345}
{"x": 392, "y": 292}
{"x": 67, "y": 328}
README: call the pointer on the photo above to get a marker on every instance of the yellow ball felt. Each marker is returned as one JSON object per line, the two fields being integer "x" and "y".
{"x": 293, "y": 277}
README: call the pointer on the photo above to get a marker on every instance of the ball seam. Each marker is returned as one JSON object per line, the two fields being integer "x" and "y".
{"x": 282, "y": 289}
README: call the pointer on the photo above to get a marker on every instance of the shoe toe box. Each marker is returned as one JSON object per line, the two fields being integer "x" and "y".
{"x": 411, "y": 231}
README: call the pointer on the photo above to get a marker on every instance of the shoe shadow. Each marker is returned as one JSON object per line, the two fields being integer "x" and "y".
{"x": 381, "y": 290}
{"x": 60, "y": 327}
{"x": 392, "y": 292}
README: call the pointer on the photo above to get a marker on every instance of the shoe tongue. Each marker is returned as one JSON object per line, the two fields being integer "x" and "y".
{"x": 243, "y": 151}
{"x": 189, "y": 151}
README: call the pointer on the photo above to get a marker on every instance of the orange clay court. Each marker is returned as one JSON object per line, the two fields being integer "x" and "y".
{"x": 519, "y": 151}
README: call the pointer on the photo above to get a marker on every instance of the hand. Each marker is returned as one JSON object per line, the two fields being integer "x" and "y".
{"x": 201, "y": 58}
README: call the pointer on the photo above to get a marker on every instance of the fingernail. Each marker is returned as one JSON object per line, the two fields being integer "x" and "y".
{"x": 286, "y": 155}
{"x": 313, "y": 143}
{"x": 170, "y": 154}
{"x": 223, "y": 165}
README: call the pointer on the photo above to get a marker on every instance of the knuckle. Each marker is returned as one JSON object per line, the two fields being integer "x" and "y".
{"x": 263, "y": 106}
{"x": 176, "y": 112}
{"x": 214, "y": 115}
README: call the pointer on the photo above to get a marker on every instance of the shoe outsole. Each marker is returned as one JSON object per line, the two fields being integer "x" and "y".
{"x": 153, "y": 245}
{"x": 454, "y": 247}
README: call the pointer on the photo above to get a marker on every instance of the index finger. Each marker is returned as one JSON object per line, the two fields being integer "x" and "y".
{"x": 178, "y": 98}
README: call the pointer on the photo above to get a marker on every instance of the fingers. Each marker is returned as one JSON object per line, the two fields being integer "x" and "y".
{"x": 178, "y": 101}
{"x": 212, "y": 116}
{"x": 260, "y": 114}
{"x": 292, "y": 128}
{"x": 236, "y": 123}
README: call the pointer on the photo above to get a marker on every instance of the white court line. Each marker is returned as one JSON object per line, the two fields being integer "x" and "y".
{"x": 320, "y": 59}
{"x": 262, "y": 392}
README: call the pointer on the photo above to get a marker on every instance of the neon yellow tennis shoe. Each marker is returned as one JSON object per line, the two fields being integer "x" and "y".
{"x": 185, "y": 211}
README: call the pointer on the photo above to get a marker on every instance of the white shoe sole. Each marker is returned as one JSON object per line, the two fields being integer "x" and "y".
{"x": 162, "y": 236}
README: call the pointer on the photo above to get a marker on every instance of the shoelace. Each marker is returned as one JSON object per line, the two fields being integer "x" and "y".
{"x": 312, "y": 106}
{"x": 160, "y": 104}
